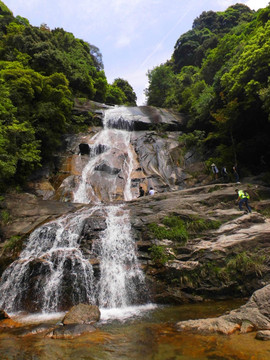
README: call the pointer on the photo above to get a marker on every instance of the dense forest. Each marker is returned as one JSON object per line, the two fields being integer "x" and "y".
{"x": 219, "y": 74}
{"x": 41, "y": 72}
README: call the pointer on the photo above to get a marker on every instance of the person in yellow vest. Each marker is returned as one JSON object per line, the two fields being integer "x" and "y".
{"x": 243, "y": 198}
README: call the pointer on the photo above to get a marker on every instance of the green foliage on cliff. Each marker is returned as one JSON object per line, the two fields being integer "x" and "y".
{"x": 4, "y": 10}
{"x": 219, "y": 75}
{"x": 179, "y": 230}
{"x": 173, "y": 228}
{"x": 41, "y": 71}
{"x": 160, "y": 255}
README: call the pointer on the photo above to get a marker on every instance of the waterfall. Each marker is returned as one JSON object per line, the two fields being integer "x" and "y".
{"x": 111, "y": 158}
{"x": 120, "y": 276}
{"x": 52, "y": 273}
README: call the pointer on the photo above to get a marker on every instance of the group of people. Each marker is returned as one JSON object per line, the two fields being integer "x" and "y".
{"x": 224, "y": 173}
{"x": 242, "y": 195}
{"x": 142, "y": 192}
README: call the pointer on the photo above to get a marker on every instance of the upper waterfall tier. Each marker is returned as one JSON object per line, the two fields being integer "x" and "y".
{"x": 136, "y": 146}
{"x": 110, "y": 163}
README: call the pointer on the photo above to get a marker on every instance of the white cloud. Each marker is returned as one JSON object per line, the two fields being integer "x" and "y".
{"x": 256, "y": 4}
{"x": 123, "y": 41}
{"x": 252, "y": 4}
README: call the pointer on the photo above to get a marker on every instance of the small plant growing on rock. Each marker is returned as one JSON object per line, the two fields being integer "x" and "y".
{"x": 13, "y": 243}
{"x": 159, "y": 255}
{"x": 172, "y": 228}
{"x": 5, "y": 216}
{"x": 197, "y": 225}
{"x": 245, "y": 263}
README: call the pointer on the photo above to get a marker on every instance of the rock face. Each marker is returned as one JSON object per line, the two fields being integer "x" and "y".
{"x": 82, "y": 314}
{"x": 225, "y": 261}
{"x": 157, "y": 160}
{"x": 25, "y": 212}
{"x": 254, "y": 315}
{"x": 192, "y": 242}
{"x": 226, "y": 254}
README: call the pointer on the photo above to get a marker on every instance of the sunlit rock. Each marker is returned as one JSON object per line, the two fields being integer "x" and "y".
{"x": 254, "y": 315}
{"x": 82, "y": 314}
{"x": 263, "y": 335}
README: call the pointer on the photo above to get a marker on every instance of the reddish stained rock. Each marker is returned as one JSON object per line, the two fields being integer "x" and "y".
{"x": 9, "y": 323}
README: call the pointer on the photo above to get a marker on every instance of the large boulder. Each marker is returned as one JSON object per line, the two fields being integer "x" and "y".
{"x": 254, "y": 315}
{"x": 82, "y": 314}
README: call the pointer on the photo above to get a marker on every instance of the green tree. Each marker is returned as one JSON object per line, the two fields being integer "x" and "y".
{"x": 130, "y": 96}
{"x": 115, "y": 96}
{"x": 161, "y": 80}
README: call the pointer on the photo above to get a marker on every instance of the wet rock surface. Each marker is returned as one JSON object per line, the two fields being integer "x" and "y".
{"x": 154, "y": 142}
{"x": 82, "y": 314}
{"x": 254, "y": 315}
{"x": 231, "y": 260}
{"x": 70, "y": 331}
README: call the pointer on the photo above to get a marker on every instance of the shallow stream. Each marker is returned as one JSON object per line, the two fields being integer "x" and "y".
{"x": 141, "y": 334}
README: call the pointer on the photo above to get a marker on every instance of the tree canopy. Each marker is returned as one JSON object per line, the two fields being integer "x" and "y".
{"x": 41, "y": 72}
{"x": 219, "y": 75}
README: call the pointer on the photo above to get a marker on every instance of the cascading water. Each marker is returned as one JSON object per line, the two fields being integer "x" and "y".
{"x": 111, "y": 159}
{"x": 120, "y": 276}
{"x": 52, "y": 273}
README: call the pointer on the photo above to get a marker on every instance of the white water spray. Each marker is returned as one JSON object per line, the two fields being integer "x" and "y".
{"x": 120, "y": 276}
{"x": 50, "y": 269}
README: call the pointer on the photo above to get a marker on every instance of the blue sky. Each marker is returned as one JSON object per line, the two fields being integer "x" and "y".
{"x": 133, "y": 36}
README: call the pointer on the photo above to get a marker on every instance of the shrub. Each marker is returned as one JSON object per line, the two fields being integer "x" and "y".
{"x": 245, "y": 263}
{"x": 197, "y": 224}
{"x": 13, "y": 243}
{"x": 173, "y": 228}
{"x": 159, "y": 255}
{"x": 5, "y": 216}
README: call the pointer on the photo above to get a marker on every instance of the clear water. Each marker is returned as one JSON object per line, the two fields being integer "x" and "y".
{"x": 147, "y": 335}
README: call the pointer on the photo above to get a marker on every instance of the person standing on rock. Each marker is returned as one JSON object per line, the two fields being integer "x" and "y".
{"x": 243, "y": 198}
{"x": 141, "y": 192}
{"x": 151, "y": 191}
{"x": 214, "y": 170}
{"x": 236, "y": 175}
{"x": 224, "y": 174}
